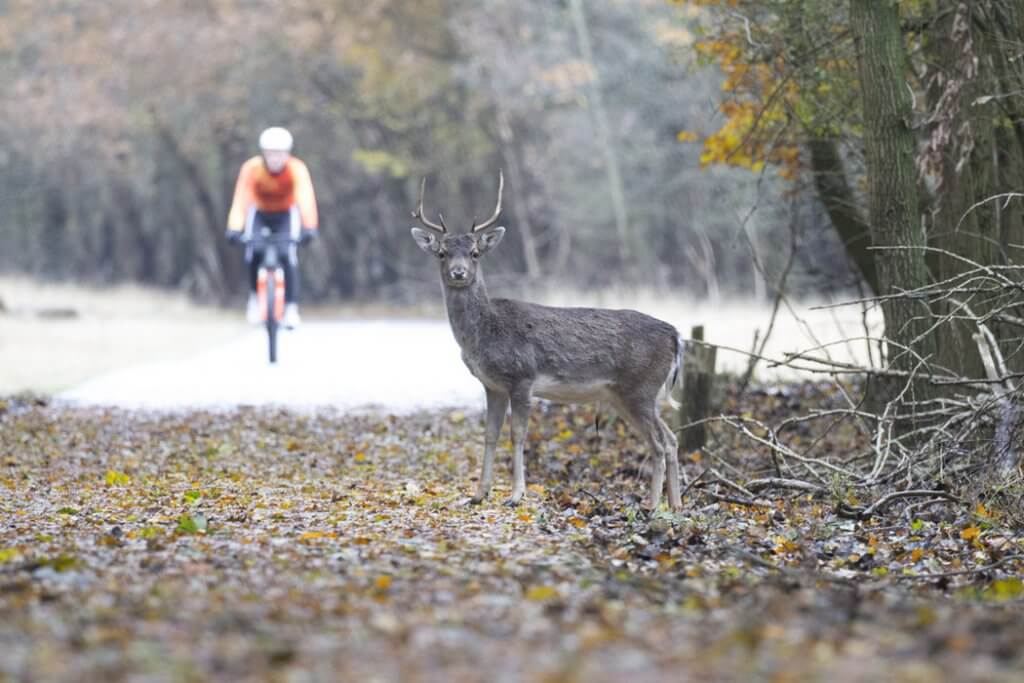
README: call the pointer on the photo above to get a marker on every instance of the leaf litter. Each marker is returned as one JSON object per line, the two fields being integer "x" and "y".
{"x": 261, "y": 543}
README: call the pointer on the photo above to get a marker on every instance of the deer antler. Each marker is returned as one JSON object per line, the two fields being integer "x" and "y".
{"x": 497, "y": 209}
{"x": 418, "y": 213}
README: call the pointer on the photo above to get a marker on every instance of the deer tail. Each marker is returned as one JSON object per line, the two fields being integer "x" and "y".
{"x": 675, "y": 374}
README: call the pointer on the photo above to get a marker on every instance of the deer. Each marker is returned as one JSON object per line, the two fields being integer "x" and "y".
{"x": 519, "y": 350}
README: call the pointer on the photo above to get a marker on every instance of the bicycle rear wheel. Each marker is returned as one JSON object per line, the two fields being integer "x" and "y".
{"x": 272, "y": 325}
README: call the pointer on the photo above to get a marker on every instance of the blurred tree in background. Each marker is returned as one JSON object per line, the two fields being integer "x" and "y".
{"x": 125, "y": 123}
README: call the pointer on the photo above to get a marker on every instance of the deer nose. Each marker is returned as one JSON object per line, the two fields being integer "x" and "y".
{"x": 458, "y": 273}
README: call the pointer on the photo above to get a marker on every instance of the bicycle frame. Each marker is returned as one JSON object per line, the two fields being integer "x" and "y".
{"x": 270, "y": 284}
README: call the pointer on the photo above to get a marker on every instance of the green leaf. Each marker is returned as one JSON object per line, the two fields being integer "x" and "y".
{"x": 378, "y": 161}
{"x": 62, "y": 563}
{"x": 192, "y": 524}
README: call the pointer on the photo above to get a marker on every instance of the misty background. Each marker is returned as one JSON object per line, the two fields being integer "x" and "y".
{"x": 125, "y": 123}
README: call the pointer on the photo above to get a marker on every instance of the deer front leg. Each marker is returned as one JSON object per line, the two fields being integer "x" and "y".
{"x": 520, "y": 417}
{"x": 497, "y": 406}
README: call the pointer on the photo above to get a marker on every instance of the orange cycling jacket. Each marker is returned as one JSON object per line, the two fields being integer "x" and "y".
{"x": 266, "y": 191}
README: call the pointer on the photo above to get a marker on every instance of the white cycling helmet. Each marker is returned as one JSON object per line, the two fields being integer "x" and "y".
{"x": 276, "y": 139}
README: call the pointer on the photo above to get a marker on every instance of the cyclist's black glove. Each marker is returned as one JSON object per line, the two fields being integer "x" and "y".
{"x": 233, "y": 236}
{"x": 307, "y": 236}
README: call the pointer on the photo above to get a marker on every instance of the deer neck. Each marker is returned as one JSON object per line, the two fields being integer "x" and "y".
{"x": 468, "y": 308}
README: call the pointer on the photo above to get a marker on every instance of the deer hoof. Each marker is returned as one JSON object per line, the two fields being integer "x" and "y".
{"x": 473, "y": 501}
{"x": 513, "y": 501}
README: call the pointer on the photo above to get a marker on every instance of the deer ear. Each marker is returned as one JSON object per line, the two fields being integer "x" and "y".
{"x": 427, "y": 241}
{"x": 490, "y": 238}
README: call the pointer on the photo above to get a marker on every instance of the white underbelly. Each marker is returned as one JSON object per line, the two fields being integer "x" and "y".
{"x": 570, "y": 392}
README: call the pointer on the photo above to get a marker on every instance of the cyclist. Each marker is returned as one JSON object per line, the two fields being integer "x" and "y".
{"x": 274, "y": 190}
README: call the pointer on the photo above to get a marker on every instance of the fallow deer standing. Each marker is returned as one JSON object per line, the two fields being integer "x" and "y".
{"x": 568, "y": 355}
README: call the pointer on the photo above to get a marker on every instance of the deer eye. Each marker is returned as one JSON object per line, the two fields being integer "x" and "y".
{"x": 475, "y": 254}
{"x": 442, "y": 255}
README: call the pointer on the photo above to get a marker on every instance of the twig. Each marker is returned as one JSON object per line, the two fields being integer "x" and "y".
{"x": 779, "y": 483}
{"x": 965, "y": 572}
{"x": 692, "y": 483}
{"x": 844, "y": 510}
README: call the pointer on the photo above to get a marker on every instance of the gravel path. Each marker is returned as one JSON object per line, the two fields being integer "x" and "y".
{"x": 392, "y": 365}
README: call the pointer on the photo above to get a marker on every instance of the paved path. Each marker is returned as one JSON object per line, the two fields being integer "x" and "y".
{"x": 391, "y": 365}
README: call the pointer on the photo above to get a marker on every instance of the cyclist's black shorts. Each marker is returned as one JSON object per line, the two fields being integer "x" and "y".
{"x": 278, "y": 222}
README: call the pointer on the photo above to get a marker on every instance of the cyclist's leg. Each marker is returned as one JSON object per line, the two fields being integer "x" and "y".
{"x": 252, "y": 259}
{"x": 287, "y": 222}
{"x": 291, "y": 266}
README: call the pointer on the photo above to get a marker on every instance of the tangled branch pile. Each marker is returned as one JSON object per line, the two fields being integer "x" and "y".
{"x": 924, "y": 437}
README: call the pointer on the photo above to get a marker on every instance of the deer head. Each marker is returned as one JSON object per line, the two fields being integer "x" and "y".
{"x": 458, "y": 254}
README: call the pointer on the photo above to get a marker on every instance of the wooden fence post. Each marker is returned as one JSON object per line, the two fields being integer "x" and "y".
{"x": 695, "y": 403}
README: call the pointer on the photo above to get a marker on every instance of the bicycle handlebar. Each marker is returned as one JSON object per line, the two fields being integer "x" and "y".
{"x": 277, "y": 238}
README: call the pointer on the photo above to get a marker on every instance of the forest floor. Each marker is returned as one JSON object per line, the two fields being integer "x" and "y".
{"x": 257, "y": 544}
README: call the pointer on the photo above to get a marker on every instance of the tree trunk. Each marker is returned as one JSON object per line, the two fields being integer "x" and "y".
{"x": 979, "y": 156}
{"x": 216, "y": 255}
{"x": 616, "y": 190}
{"x": 892, "y": 188}
{"x": 837, "y": 197}
{"x": 511, "y": 156}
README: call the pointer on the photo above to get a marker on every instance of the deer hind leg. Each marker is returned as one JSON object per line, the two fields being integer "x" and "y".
{"x": 671, "y": 448}
{"x": 497, "y": 406}
{"x": 520, "y": 399}
{"x": 643, "y": 417}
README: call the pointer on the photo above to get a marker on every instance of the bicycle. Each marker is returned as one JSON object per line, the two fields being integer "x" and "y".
{"x": 270, "y": 281}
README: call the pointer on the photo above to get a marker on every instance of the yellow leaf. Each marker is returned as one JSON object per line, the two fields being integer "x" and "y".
{"x": 916, "y": 554}
{"x": 115, "y": 478}
{"x": 982, "y": 511}
{"x": 970, "y": 533}
{"x": 1005, "y": 589}
{"x": 536, "y": 488}
{"x": 686, "y": 136}
{"x": 360, "y": 457}
{"x": 541, "y": 593}
{"x": 524, "y": 517}
{"x": 382, "y": 582}
{"x": 9, "y": 554}
{"x": 577, "y": 522}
